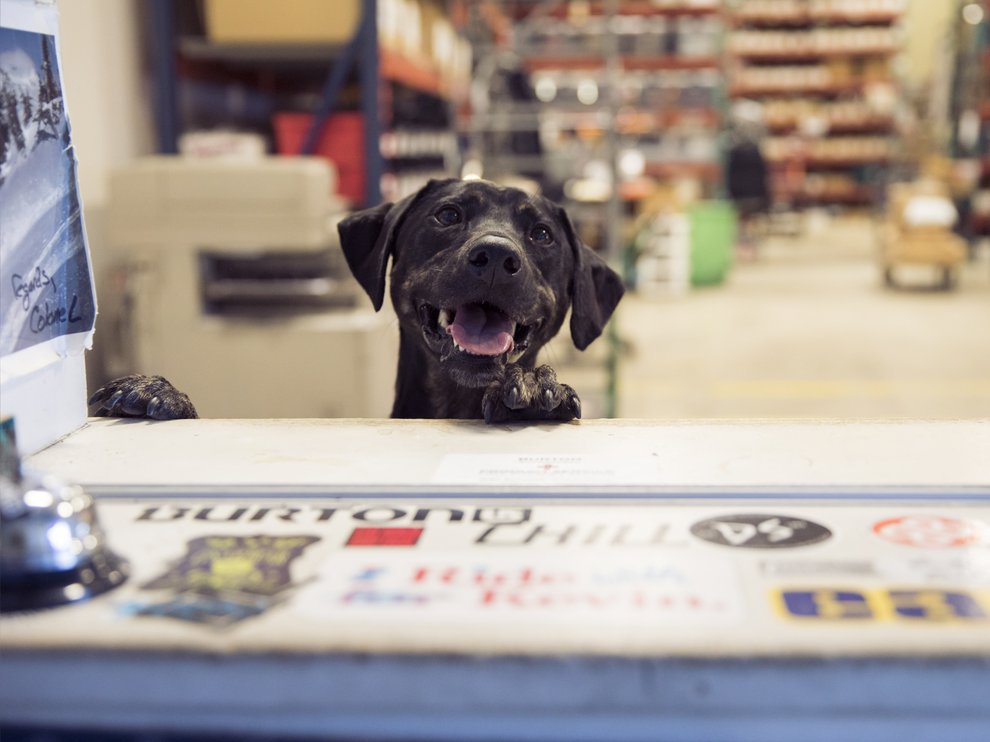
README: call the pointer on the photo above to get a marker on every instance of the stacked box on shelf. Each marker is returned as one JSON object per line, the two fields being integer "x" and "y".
{"x": 308, "y": 21}
{"x": 823, "y": 70}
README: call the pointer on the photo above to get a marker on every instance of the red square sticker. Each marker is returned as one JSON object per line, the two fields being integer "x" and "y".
{"x": 384, "y": 537}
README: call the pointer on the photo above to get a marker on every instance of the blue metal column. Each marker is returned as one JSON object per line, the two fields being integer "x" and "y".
{"x": 166, "y": 76}
{"x": 331, "y": 89}
{"x": 361, "y": 50}
{"x": 368, "y": 72}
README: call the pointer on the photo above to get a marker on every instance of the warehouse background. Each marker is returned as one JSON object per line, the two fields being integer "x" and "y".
{"x": 831, "y": 303}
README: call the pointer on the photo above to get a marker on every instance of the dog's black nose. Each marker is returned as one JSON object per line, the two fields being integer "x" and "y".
{"x": 494, "y": 260}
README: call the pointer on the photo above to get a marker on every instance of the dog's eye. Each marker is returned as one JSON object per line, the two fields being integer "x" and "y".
{"x": 541, "y": 234}
{"x": 447, "y": 216}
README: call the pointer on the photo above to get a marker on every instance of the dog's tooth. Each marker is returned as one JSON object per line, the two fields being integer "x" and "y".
{"x": 445, "y": 318}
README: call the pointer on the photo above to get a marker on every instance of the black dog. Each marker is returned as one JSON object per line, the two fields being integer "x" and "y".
{"x": 482, "y": 277}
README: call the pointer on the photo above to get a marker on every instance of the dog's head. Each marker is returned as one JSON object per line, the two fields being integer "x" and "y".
{"x": 482, "y": 274}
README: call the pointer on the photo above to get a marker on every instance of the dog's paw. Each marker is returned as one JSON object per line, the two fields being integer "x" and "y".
{"x": 530, "y": 394}
{"x": 142, "y": 396}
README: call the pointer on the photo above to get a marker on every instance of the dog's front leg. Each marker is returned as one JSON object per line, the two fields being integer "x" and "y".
{"x": 529, "y": 394}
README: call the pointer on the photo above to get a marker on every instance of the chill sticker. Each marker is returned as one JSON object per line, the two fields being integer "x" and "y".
{"x": 859, "y": 606}
{"x": 760, "y": 531}
{"x": 458, "y": 587}
{"x": 224, "y": 579}
{"x": 933, "y": 532}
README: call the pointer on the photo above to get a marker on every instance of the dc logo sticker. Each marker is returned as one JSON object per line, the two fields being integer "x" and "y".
{"x": 760, "y": 531}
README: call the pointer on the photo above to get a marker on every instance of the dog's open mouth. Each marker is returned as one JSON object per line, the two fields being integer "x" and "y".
{"x": 477, "y": 328}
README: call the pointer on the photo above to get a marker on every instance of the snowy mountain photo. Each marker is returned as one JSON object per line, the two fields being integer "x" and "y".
{"x": 44, "y": 269}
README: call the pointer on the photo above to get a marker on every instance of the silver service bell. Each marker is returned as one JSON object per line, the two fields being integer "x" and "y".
{"x": 52, "y": 549}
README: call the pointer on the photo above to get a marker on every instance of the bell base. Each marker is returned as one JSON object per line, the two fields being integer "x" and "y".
{"x": 103, "y": 572}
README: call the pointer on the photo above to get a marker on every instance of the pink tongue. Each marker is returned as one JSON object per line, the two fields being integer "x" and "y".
{"x": 484, "y": 332}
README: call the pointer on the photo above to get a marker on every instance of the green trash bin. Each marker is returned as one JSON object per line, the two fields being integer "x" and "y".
{"x": 713, "y": 239}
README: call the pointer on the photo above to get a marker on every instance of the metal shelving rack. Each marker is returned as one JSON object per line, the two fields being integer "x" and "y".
{"x": 812, "y": 63}
{"x": 619, "y": 114}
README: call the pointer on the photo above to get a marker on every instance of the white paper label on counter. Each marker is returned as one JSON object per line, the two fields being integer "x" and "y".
{"x": 545, "y": 470}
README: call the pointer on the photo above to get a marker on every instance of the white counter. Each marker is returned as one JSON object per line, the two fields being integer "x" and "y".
{"x": 363, "y": 456}
{"x": 592, "y": 581}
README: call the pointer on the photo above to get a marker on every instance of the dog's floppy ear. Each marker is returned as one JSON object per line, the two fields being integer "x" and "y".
{"x": 596, "y": 290}
{"x": 368, "y": 239}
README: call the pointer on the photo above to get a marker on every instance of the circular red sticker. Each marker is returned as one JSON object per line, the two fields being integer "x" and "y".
{"x": 931, "y": 531}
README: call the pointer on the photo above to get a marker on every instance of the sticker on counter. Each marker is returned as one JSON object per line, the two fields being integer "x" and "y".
{"x": 454, "y": 525}
{"x": 858, "y": 606}
{"x": 933, "y": 532}
{"x": 384, "y": 537}
{"x": 970, "y": 569}
{"x": 827, "y": 604}
{"x": 459, "y": 587}
{"x": 794, "y": 568}
{"x": 221, "y": 580}
{"x": 760, "y": 531}
{"x": 545, "y": 470}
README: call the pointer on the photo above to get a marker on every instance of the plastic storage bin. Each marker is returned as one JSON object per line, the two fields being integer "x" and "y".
{"x": 713, "y": 236}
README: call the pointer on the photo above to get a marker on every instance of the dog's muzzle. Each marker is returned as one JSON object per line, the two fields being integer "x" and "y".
{"x": 477, "y": 329}
{"x": 476, "y": 325}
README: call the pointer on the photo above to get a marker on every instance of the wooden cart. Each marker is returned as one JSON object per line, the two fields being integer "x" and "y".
{"x": 904, "y": 243}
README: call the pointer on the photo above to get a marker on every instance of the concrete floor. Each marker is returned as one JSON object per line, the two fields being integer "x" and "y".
{"x": 804, "y": 330}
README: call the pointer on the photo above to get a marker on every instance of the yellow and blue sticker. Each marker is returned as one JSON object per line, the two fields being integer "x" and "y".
{"x": 864, "y": 605}
{"x": 222, "y": 580}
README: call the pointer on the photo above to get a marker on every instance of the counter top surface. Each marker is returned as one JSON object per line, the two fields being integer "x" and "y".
{"x": 601, "y": 580}
{"x": 334, "y": 456}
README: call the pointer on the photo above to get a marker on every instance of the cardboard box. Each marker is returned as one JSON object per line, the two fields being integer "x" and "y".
{"x": 284, "y": 22}
{"x": 942, "y": 248}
